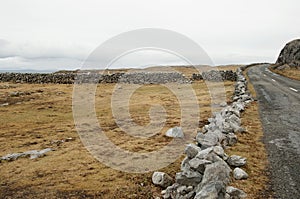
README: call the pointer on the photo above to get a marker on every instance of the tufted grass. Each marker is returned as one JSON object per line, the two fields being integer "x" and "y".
{"x": 250, "y": 145}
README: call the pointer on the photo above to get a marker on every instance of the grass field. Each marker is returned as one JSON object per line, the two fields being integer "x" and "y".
{"x": 292, "y": 73}
{"x": 41, "y": 116}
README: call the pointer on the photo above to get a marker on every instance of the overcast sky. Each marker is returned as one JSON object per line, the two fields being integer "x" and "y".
{"x": 60, "y": 34}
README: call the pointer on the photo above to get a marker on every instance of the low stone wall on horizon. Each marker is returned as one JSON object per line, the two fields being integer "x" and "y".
{"x": 130, "y": 78}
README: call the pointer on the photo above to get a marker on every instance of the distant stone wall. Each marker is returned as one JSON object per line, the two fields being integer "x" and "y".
{"x": 130, "y": 78}
{"x": 38, "y": 78}
{"x": 154, "y": 78}
{"x": 214, "y": 75}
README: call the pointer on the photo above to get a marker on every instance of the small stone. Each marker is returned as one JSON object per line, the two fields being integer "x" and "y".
{"x": 235, "y": 193}
{"x": 231, "y": 139}
{"x": 181, "y": 190}
{"x": 171, "y": 191}
{"x": 227, "y": 196}
{"x": 188, "y": 178}
{"x": 207, "y": 140}
{"x": 198, "y": 165}
{"x": 212, "y": 190}
{"x": 239, "y": 174}
{"x": 205, "y": 153}
{"x": 192, "y": 150}
{"x": 185, "y": 164}
{"x": 5, "y": 104}
{"x": 175, "y": 132}
{"x": 236, "y": 161}
{"x": 189, "y": 188}
{"x": 223, "y": 104}
{"x": 161, "y": 179}
{"x": 219, "y": 151}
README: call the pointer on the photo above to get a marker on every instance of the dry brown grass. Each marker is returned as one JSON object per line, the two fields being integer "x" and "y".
{"x": 250, "y": 145}
{"x": 71, "y": 172}
{"x": 38, "y": 120}
{"x": 290, "y": 73}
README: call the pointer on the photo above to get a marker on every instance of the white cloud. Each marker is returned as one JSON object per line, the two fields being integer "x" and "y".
{"x": 51, "y": 32}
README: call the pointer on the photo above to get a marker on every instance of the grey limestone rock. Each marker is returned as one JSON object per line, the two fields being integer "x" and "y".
{"x": 236, "y": 161}
{"x": 235, "y": 193}
{"x": 161, "y": 179}
{"x": 239, "y": 174}
{"x": 175, "y": 132}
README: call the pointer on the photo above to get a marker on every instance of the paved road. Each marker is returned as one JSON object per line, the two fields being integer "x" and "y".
{"x": 279, "y": 101}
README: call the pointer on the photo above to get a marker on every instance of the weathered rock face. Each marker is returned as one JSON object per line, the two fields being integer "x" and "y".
{"x": 290, "y": 55}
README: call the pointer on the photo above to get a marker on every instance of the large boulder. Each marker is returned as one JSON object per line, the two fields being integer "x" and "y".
{"x": 215, "y": 179}
{"x": 290, "y": 55}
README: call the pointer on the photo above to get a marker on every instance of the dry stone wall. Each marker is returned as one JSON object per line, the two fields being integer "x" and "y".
{"x": 206, "y": 170}
{"x": 214, "y": 75}
{"x": 130, "y": 78}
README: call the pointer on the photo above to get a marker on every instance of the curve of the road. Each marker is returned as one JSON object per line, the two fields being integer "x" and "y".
{"x": 279, "y": 103}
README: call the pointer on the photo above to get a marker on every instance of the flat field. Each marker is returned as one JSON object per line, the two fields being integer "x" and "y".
{"x": 38, "y": 116}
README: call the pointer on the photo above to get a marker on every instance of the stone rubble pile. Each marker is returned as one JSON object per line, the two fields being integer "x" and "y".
{"x": 33, "y": 154}
{"x": 206, "y": 169}
{"x": 216, "y": 76}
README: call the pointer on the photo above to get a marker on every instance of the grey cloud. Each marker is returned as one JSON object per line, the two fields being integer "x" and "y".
{"x": 40, "y": 51}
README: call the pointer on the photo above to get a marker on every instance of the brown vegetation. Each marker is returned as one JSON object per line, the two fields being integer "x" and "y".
{"x": 292, "y": 73}
{"x": 43, "y": 117}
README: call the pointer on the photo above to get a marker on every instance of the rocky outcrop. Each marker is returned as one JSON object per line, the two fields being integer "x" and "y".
{"x": 206, "y": 169}
{"x": 289, "y": 55}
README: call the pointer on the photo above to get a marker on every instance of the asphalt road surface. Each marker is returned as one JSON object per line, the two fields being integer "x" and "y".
{"x": 279, "y": 102}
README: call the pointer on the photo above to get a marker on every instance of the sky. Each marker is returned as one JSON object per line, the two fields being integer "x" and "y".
{"x": 61, "y": 34}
